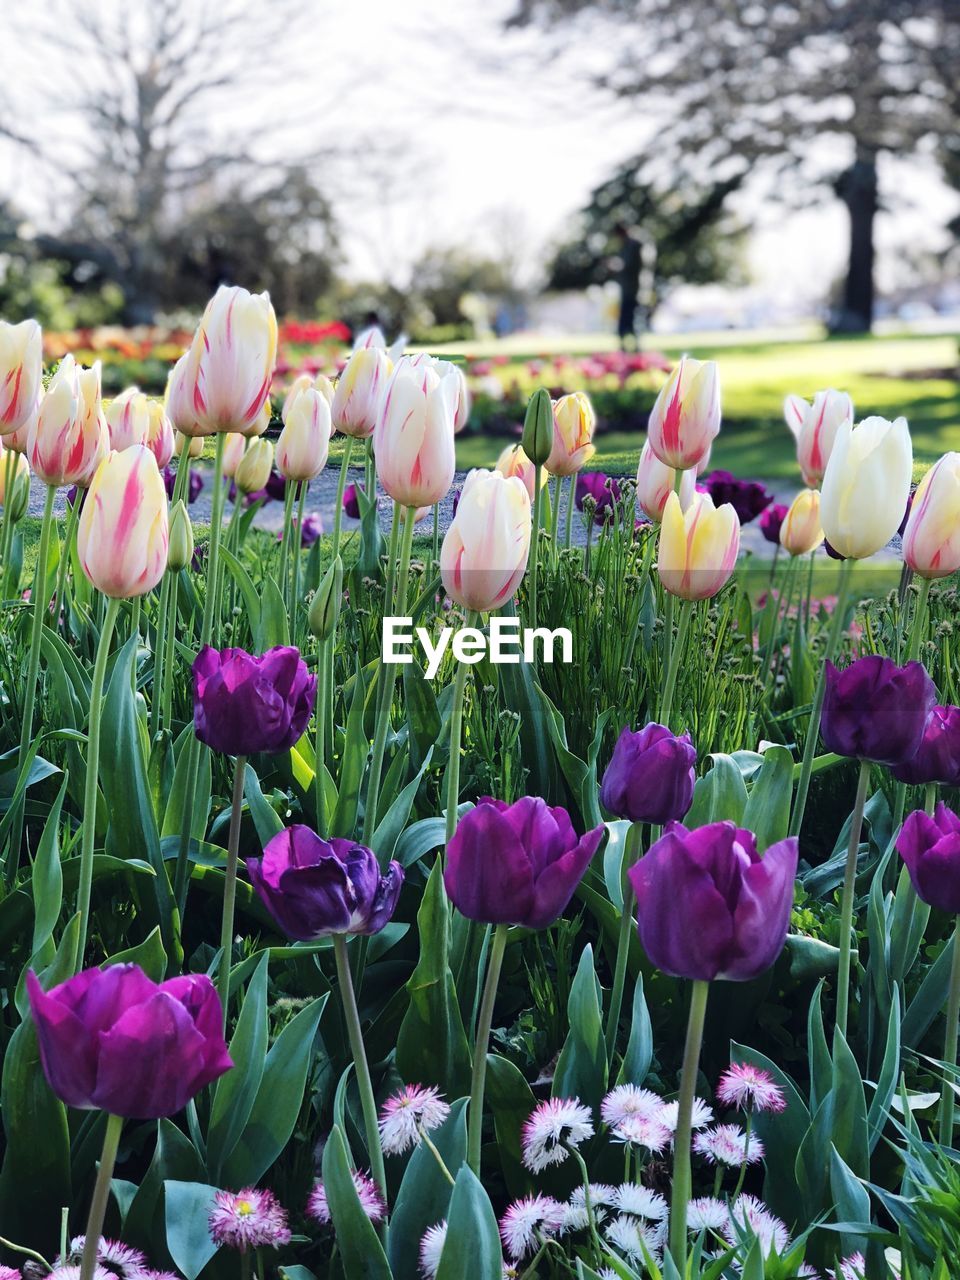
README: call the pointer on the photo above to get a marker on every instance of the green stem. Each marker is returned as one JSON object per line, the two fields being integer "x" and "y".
{"x": 159, "y": 654}
{"x": 588, "y": 1205}
{"x": 230, "y": 886}
{"x": 846, "y": 901}
{"x": 930, "y": 798}
{"x": 748, "y": 1129}
{"x": 950, "y": 1043}
{"x": 535, "y": 558}
{"x": 631, "y": 850}
{"x": 285, "y": 539}
{"x": 297, "y": 552}
{"x": 456, "y": 737}
{"x": 682, "y": 1183}
{"x": 173, "y": 604}
{"x": 435, "y": 544}
{"x": 432, "y": 1148}
{"x": 101, "y": 1195}
{"x": 72, "y": 522}
{"x": 365, "y": 1085}
{"x": 27, "y": 1253}
{"x": 320, "y": 748}
{"x": 676, "y": 653}
{"x": 484, "y": 1023}
{"x": 555, "y": 519}
{"x": 10, "y": 471}
{"x": 816, "y": 710}
{"x": 568, "y": 531}
{"x": 89, "y": 830}
{"x": 341, "y": 485}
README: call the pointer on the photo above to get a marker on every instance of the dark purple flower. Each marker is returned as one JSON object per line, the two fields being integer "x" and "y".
{"x": 709, "y": 906}
{"x": 517, "y": 863}
{"x": 603, "y": 489}
{"x": 832, "y": 551}
{"x": 73, "y": 493}
{"x": 113, "y": 1040}
{"x": 771, "y": 520}
{"x": 455, "y": 502}
{"x": 314, "y": 887}
{"x": 243, "y": 704}
{"x": 875, "y": 710}
{"x": 747, "y": 497}
{"x": 650, "y": 776}
{"x": 351, "y": 504}
{"x": 938, "y": 756}
{"x": 930, "y": 846}
{"x": 276, "y": 486}
{"x": 195, "y": 486}
{"x": 906, "y": 515}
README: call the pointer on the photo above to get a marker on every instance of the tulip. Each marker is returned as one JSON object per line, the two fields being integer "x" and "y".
{"x": 771, "y": 522}
{"x": 938, "y": 756}
{"x": 651, "y": 775}
{"x": 359, "y": 390}
{"x": 485, "y": 550}
{"x": 413, "y": 441}
{"x": 538, "y": 428}
{"x": 815, "y": 428}
{"x": 709, "y": 906}
{"x": 123, "y": 531}
{"x": 930, "y": 847}
{"x": 931, "y": 539}
{"x": 685, "y": 418}
{"x": 128, "y": 419}
{"x": 234, "y": 447}
{"x": 314, "y": 887}
{"x": 800, "y": 531}
{"x": 259, "y": 424}
{"x": 17, "y": 440}
{"x": 698, "y": 548}
{"x": 254, "y": 468}
{"x": 195, "y": 484}
{"x": 112, "y": 1039}
{"x": 517, "y": 863}
{"x": 514, "y": 462}
{"x": 603, "y": 491}
{"x": 351, "y": 504}
{"x": 160, "y": 435}
{"x": 444, "y": 369}
{"x": 747, "y": 497}
{"x": 305, "y": 438}
{"x": 243, "y": 704}
{"x": 304, "y": 382}
{"x": 573, "y": 424}
{"x": 21, "y": 367}
{"x": 180, "y": 549}
{"x": 655, "y": 483}
{"x": 191, "y": 445}
{"x": 875, "y": 710}
{"x": 68, "y": 437}
{"x": 866, "y": 486}
{"x": 21, "y": 475}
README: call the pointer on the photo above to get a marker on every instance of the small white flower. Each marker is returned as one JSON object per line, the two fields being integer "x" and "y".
{"x": 748, "y": 1214}
{"x": 727, "y": 1144}
{"x": 642, "y": 1131}
{"x": 700, "y": 1117}
{"x": 707, "y": 1212}
{"x": 640, "y": 1201}
{"x": 629, "y": 1100}
{"x": 630, "y": 1235}
{"x": 553, "y": 1127}
{"x": 526, "y": 1220}
{"x": 431, "y": 1247}
{"x": 407, "y": 1114}
{"x": 601, "y": 1193}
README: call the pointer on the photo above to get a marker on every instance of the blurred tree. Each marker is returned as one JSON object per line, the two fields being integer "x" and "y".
{"x": 739, "y": 83}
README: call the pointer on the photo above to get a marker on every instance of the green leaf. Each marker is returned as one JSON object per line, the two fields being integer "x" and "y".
{"x": 639, "y": 1054}
{"x": 387, "y": 834}
{"x": 272, "y": 626}
{"x": 265, "y": 818}
{"x": 47, "y": 880}
{"x": 424, "y": 1195}
{"x": 472, "y": 1247}
{"x": 581, "y": 1070}
{"x": 851, "y": 1200}
{"x": 818, "y": 1052}
{"x": 352, "y": 764}
{"x": 423, "y": 715}
{"x": 175, "y": 1158}
{"x": 251, "y": 597}
{"x": 432, "y": 1044}
{"x": 889, "y": 1074}
{"x": 511, "y": 1100}
{"x": 235, "y": 1092}
{"x": 782, "y": 1133}
{"x": 148, "y": 954}
{"x": 361, "y": 1252}
{"x": 849, "y": 1134}
{"x": 771, "y": 795}
{"x": 720, "y": 795}
{"x": 187, "y": 1209}
{"x": 173, "y": 817}
{"x": 419, "y": 839}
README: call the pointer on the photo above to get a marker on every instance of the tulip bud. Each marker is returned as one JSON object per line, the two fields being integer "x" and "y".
{"x": 234, "y": 446}
{"x": 930, "y": 846}
{"x": 305, "y": 439}
{"x": 325, "y": 608}
{"x": 685, "y": 417}
{"x": 866, "y": 486}
{"x": 253, "y": 469}
{"x": 192, "y": 444}
{"x": 20, "y": 500}
{"x": 413, "y": 441}
{"x": 180, "y": 550}
{"x": 698, "y": 548}
{"x": 800, "y": 531}
{"x": 514, "y": 462}
{"x": 538, "y": 427}
{"x": 656, "y": 482}
{"x": 21, "y": 366}
{"x": 160, "y": 437}
{"x": 358, "y": 392}
{"x": 68, "y": 437}
{"x": 128, "y": 419}
{"x": 931, "y": 540}
{"x": 21, "y": 473}
{"x": 123, "y": 531}
{"x": 484, "y": 552}
{"x": 815, "y": 428}
{"x": 573, "y": 423}
{"x": 259, "y": 424}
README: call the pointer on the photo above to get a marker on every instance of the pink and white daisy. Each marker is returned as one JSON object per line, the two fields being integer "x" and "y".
{"x": 747, "y": 1213}
{"x": 701, "y": 1115}
{"x": 601, "y": 1193}
{"x": 431, "y": 1247}
{"x": 808, "y": 1272}
{"x": 552, "y": 1129}
{"x": 408, "y": 1114}
{"x": 750, "y": 1088}
{"x": 640, "y": 1202}
{"x": 117, "y": 1258}
{"x": 161, "y": 1275}
{"x": 707, "y": 1213}
{"x": 71, "y": 1271}
{"x": 371, "y": 1201}
{"x": 10, "y": 1273}
{"x": 853, "y": 1268}
{"x": 629, "y": 1100}
{"x": 642, "y": 1131}
{"x": 728, "y": 1144}
{"x": 526, "y": 1220}
{"x": 630, "y": 1235}
{"x": 249, "y": 1219}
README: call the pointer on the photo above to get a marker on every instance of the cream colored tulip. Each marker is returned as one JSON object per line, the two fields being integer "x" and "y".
{"x": 305, "y": 439}
{"x": 359, "y": 391}
{"x": 21, "y": 367}
{"x": 485, "y": 550}
{"x": 253, "y": 470}
{"x": 815, "y": 428}
{"x": 193, "y": 445}
{"x": 685, "y": 418}
{"x": 800, "y": 530}
{"x": 514, "y": 462}
{"x": 21, "y": 474}
{"x": 866, "y": 486}
{"x": 123, "y": 532}
{"x": 160, "y": 437}
{"x": 656, "y": 482}
{"x": 413, "y": 441}
{"x": 304, "y": 382}
{"x": 698, "y": 547}
{"x": 573, "y": 424}
{"x": 931, "y": 540}
{"x": 234, "y": 446}
{"x": 128, "y": 419}
{"x": 68, "y": 437}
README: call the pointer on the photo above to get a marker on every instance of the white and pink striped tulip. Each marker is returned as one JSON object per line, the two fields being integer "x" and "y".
{"x": 160, "y": 437}
{"x": 931, "y": 540}
{"x": 359, "y": 390}
{"x": 68, "y": 437}
{"x": 123, "y": 532}
{"x": 485, "y": 550}
{"x": 413, "y": 440}
{"x": 21, "y": 366}
{"x": 685, "y": 418}
{"x": 656, "y": 482}
{"x": 305, "y": 439}
{"x": 815, "y": 428}
{"x": 514, "y": 462}
{"x": 128, "y": 419}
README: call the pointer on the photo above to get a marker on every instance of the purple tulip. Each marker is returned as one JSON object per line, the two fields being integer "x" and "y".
{"x": 195, "y": 484}
{"x": 604, "y": 491}
{"x": 747, "y": 497}
{"x": 113, "y": 1040}
{"x": 312, "y": 529}
{"x": 243, "y": 704}
{"x": 276, "y": 486}
{"x": 709, "y": 906}
{"x": 875, "y": 710}
{"x": 771, "y": 520}
{"x": 314, "y": 887}
{"x": 930, "y": 846}
{"x": 650, "y": 777}
{"x": 938, "y": 756}
{"x": 516, "y": 863}
{"x": 906, "y": 516}
{"x": 351, "y": 504}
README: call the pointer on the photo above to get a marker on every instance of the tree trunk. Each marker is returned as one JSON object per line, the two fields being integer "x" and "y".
{"x": 857, "y": 188}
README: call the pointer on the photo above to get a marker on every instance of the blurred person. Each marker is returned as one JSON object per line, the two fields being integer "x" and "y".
{"x": 628, "y": 280}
